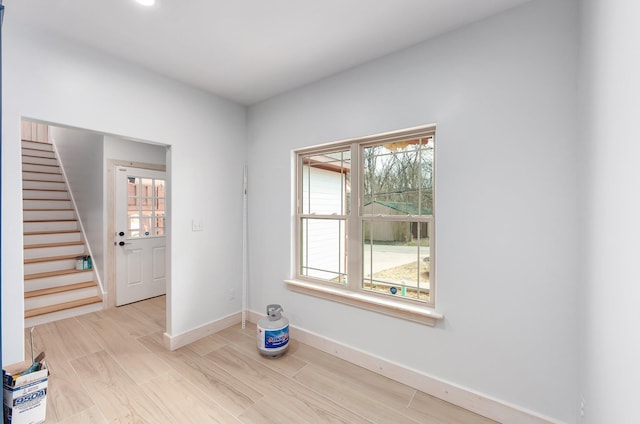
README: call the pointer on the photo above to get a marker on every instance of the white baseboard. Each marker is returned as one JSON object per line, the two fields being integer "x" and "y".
{"x": 183, "y": 339}
{"x": 476, "y": 402}
{"x": 466, "y": 398}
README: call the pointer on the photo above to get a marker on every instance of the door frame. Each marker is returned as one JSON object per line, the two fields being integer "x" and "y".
{"x": 110, "y": 298}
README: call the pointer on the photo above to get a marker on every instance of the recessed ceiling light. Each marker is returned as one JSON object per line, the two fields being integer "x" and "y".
{"x": 146, "y": 2}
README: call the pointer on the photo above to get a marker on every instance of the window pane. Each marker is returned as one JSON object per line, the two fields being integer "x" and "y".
{"x": 426, "y": 158}
{"x": 146, "y": 203}
{"x": 145, "y": 227}
{"x": 133, "y": 226}
{"x": 396, "y": 258}
{"x": 326, "y": 183}
{"x": 146, "y": 189}
{"x": 398, "y": 177}
{"x": 132, "y": 186}
{"x": 159, "y": 205}
{"x": 323, "y": 249}
{"x": 132, "y": 204}
{"x": 159, "y": 226}
{"x": 159, "y": 188}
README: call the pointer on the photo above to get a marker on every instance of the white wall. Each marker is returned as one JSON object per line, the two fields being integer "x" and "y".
{"x": 48, "y": 79}
{"x": 80, "y": 153}
{"x": 503, "y": 94}
{"x": 611, "y": 368}
{"x": 118, "y": 148}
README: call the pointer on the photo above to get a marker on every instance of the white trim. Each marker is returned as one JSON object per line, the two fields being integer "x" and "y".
{"x": 404, "y": 310}
{"x": 466, "y": 398}
{"x": 463, "y": 397}
{"x": 385, "y": 136}
{"x": 190, "y": 336}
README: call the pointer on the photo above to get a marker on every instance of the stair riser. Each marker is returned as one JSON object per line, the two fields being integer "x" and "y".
{"x": 48, "y": 252}
{"x": 40, "y": 168}
{"x": 47, "y": 215}
{"x": 41, "y": 177}
{"x": 38, "y": 153}
{"x": 39, "y": 160}
{"x": 31, "y": 239}
{"x": 56, "y": 316}
{"x": 47, "y": 204}
{"x": 44, "y": 194}
{"x": 37, "y": 146}
{"x": 31, "y": 227}
{"x": 44, "y": 185}
{"x": 49, "y": 266}
{"x": 54, "y": 299}
{"x": 57, "y": 281}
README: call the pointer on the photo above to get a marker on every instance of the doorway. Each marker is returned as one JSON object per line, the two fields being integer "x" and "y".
{"x": 96, "y": 204}
{"x": 140, "y": 236}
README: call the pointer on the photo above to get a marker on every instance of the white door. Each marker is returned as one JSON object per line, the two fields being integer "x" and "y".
{"x": 140, "y": 240}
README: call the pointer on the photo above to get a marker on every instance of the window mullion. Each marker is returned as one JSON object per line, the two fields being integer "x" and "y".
{"x": 354, "y": 222}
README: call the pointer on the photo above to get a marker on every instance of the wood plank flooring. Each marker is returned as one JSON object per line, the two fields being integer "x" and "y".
{"x": 111, "y": 366}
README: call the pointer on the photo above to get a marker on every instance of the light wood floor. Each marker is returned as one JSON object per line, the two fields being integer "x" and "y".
{"x": 111, "y": 366}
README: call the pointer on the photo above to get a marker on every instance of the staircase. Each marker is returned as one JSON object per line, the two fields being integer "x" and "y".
{"x": 54, "y": 289}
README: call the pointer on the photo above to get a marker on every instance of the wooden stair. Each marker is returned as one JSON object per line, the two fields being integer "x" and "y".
{"x": 54, "y": 289}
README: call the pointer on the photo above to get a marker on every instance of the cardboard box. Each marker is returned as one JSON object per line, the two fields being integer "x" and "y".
{"x": 25, "y": 396}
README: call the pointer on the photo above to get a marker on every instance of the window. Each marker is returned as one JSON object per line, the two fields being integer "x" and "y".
{"x": 145, "y": 207}
{"x": 365, "y": 223}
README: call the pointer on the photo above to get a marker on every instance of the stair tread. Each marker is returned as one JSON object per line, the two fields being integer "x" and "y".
{"x": 42, "y": 189}
{"x": 48, "y": 165}
{"x": 55, "y": 273}
{"x": 61, "y": 306}
{"x": 41, "y": 172}
{"x": 38, "y": 163}
{"x": 36, "y": 141}
{"x": 31, "y": 210}
{"x": 46, "y": 200}
{"x": 35, "y": 148}
{"x": 37, "y": 233}
{"x": 26, "y": 155}
{"x": 50, "y": 259}
{"x": 58, "y": 289}
{"x": 50, "y": 221}
{"x": 66, "y": 243}
{"x": 31, "y": 221}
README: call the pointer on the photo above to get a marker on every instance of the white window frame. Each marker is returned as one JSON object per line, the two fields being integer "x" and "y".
{"x": 352, "y": 293}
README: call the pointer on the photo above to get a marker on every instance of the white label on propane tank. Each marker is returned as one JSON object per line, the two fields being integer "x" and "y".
{"x": 276, "y": 338}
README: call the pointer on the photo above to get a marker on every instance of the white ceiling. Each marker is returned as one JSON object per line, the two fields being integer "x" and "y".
{"x": 250, "y": 50}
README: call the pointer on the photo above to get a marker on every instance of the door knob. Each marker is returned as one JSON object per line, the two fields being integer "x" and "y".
{"x": 121, "y": 233}
{"x": 122, "y": 243}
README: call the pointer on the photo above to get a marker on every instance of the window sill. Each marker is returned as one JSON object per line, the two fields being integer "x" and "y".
{"x": 415, "y": 313}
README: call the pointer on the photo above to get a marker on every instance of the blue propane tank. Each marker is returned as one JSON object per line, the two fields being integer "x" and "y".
{"x": 273, "y": 333}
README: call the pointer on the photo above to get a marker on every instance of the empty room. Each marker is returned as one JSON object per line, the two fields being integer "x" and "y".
{"x": 440, "y": 196}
